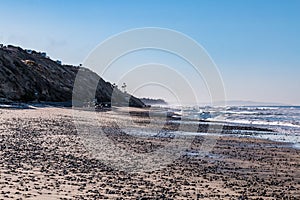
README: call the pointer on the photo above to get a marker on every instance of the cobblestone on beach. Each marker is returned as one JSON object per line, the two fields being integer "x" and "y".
{"x": 43, "y": 157}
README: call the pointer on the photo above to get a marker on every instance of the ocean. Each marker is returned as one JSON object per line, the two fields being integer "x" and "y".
{"x": 284, "y": 121}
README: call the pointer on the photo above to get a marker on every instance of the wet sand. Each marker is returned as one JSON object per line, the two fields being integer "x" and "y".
{"x": 43, "y": 157}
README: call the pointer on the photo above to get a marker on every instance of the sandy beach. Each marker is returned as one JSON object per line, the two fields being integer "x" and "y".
{"x": 44, "y": 157}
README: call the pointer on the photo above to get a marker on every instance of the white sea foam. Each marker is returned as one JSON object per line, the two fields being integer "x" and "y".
{"x": 264, "y": 123}
{"x": 284, "y": 120}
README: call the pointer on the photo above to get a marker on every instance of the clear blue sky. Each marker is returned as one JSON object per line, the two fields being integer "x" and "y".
{"x": 255, "y": 43}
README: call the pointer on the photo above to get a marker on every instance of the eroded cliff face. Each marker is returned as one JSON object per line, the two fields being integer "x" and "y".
{"x": 29, "y": 76}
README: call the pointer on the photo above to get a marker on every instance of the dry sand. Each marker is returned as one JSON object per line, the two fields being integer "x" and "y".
{"x": 43, "y": 157}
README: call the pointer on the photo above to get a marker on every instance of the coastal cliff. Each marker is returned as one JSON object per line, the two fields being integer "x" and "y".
{"x": 27, "y": 75}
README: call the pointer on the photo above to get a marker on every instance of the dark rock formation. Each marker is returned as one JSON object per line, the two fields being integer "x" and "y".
{"x": 32, "y": 76}
{"x": 150, "y": 101}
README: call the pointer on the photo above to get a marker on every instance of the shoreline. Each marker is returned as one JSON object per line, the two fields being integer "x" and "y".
{"x": 43, "y": 157}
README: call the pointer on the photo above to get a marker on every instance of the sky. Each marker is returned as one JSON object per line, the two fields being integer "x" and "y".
{"x": 254, "y": 44}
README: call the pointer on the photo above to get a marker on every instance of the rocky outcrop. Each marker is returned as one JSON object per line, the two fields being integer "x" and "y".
{"x": 32, "y": 76}
{"x": 149, "y": 101}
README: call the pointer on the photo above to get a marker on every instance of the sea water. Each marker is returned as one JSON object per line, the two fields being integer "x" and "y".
{"x": 284, "y": 121}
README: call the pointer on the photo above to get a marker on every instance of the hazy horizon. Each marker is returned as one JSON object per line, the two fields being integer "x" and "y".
{"x": 254, "y": 44}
